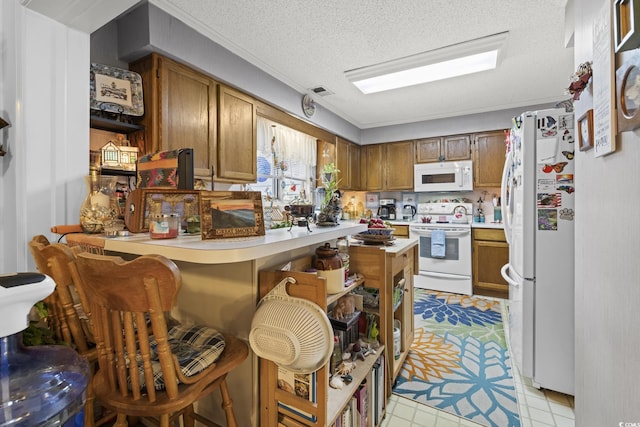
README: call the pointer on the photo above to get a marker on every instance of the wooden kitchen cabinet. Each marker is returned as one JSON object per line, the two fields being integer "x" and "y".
{"x": 354, "y": 167}
{"x": 398, "y": 165}
{"x": 343, "y": 163}
{"x": 445, "y": 148}
{"x": 371, "y": 178}
{"x": 183, "y": 109}
{"x": 348, "y": 162}
{"x": 401, "y": 231}
{"x": 488, "y": 158}
{"x": 490, "y": 253}
{"x": 237, "y": 137}
{"x": 391, "y": 272}
{"x": 180, "y": 109}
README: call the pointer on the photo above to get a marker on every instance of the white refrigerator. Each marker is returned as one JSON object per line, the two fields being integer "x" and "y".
{"x": 538, "y": 195}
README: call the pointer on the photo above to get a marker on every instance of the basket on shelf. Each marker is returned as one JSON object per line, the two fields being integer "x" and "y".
{"x": 294, "y": 333}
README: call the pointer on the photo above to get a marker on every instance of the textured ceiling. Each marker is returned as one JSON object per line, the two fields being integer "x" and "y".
{"x": 308, "y": 44}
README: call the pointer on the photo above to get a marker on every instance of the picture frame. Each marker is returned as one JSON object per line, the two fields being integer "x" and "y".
{"x": 231, "y": 214}
{"x": 585, "y": 131}
{"x": 626, "y": 19}
{"x": 628, "y": 91}
{"x": 115, "y": 90}
{"x": 144, "y": 202}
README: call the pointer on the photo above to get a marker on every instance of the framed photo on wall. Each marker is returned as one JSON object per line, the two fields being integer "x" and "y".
{"x": 115, "y": 90}
{"x": 626, "y": 14}
{"x": 229, "y": 214}
{"x": 628, "y": 91}
{"x": 585, "y": 131}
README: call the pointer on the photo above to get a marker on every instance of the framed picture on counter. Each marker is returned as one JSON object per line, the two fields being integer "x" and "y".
{"x": 143, "y": 202}
{"x": 230, "y": 214}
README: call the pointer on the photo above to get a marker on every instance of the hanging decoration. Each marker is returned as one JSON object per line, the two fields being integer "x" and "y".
{"x": 580, "y": 80}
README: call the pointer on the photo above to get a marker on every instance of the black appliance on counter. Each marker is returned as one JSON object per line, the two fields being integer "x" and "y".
{"x": 387, "y": 209}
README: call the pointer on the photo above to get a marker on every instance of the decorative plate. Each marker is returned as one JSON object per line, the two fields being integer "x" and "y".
{"x": 115, "y": 90}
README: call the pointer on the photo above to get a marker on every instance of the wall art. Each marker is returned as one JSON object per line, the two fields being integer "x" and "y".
{"x": 628, "y": 91}
{"x": 585, "y": 131}
{"x": 115, "y": 90}
{"x": 626, "y": 18}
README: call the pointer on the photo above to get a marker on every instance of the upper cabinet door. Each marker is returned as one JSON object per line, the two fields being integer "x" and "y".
{"x": 447, "y": 148}
{"x": 428, "y": 150}
{"x": 354, "y": 166}
{"x": 399, "y": 166}
{"x": 488, "y": 159}
{"x": 456, "y": 147}
{"x": 237, "y": 144}
{"x": 343, "y": 163}
{"x": 187, "y": 111}
{"x": 372, "y": 167}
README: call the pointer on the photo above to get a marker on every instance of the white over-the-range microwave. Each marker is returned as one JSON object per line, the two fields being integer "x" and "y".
{"x": 443, "y": 176}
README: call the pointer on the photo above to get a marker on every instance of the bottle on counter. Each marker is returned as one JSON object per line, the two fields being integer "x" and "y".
{"x": 336, "y": 356}
{"x": 360, "y": 210}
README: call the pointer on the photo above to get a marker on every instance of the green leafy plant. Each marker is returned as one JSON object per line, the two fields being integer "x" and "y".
{"x": 330, "y": 181}
{"x": 38, "y": 333}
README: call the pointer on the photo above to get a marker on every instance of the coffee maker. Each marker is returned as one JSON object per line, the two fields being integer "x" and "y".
{"x": 387, "y": 209}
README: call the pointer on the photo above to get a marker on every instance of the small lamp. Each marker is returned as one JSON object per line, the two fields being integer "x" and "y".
{"x": 3, "y": 124}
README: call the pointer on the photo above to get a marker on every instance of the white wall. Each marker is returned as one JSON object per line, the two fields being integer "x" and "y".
{"x": 607, "y": 267}
{"x": 45, "y": 96}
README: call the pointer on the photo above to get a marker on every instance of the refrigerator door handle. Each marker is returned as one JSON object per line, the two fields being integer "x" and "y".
{"x": 503, "y": 195}
{"x": 505, "y": 276}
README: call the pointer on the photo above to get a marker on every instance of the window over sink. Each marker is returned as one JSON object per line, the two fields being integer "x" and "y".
{"x": 286, "y": 164}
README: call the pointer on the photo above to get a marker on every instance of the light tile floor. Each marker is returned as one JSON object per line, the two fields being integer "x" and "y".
{"x": 538, "y": 408}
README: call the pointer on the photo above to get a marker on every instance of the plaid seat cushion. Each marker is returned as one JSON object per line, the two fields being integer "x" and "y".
{"x": 195, "y": 346}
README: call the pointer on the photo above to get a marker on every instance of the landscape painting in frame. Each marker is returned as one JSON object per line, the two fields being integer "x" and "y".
{"x": 229, "y": 214}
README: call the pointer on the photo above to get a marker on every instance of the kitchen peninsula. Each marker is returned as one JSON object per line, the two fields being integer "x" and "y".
{"x": 220, "y": 288}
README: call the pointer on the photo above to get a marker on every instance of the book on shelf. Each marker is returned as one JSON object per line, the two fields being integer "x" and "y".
{"x": 361, "y": 404}
{"x": 355, "y": 416}
{"x": 301, "y": 385}
{"x": 380, "y": 394}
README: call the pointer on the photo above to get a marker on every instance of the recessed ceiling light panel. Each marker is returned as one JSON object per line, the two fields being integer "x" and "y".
{"x": 451, "y": 61}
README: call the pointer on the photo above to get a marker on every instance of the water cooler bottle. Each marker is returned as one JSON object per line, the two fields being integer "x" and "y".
{"x": 40, "y": 385}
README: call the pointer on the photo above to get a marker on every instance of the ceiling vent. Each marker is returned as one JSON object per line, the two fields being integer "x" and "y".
{"x": 321, "y": 91}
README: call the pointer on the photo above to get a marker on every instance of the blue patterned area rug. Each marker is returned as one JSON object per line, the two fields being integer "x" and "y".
{"x": 459, "y": 360}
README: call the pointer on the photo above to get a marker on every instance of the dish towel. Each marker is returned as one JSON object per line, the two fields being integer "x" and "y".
{"x": 438, "y": 244}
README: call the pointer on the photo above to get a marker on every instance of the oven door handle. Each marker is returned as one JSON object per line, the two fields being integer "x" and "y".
{"x": 457, "y": 232}
{"x": 443, "y": 275}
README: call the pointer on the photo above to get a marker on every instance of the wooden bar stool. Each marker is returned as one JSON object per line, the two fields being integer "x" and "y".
{"x": 150, "y": 365}
{"x": 67, "y": 309}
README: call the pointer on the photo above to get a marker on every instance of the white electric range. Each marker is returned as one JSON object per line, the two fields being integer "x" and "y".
{"x": 444, "y": 234}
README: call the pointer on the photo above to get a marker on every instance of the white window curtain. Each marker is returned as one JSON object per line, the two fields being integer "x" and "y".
{"x": 289, "y": 144}
{"x": 286, "y": 161}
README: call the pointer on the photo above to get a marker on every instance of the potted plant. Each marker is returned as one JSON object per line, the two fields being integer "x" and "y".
{"x": 331, "y": 204}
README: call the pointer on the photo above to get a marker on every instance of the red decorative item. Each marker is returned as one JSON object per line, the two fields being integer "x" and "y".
{"x": 580, "y": 80}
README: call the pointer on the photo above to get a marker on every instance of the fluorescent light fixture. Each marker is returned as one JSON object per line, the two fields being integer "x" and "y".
{"x": 451, "y": 61}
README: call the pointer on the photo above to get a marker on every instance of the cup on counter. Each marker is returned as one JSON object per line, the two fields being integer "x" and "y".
{"x": 164, "y": 226}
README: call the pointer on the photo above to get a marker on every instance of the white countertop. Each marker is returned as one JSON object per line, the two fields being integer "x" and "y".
{"x": 193, "y": 249}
